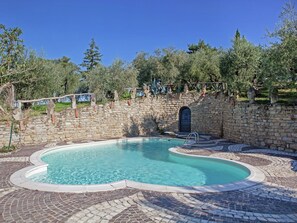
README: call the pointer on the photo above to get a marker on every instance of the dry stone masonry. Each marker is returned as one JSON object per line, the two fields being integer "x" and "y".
{"x": 260, "y": 125}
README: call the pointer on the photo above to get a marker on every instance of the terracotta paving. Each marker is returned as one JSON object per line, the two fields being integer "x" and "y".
{"x": 274, "y": 200}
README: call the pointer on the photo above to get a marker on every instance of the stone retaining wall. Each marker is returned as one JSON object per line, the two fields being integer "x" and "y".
{"x": 116, "y": 119}
{"x": 259, "y": 125}
{"x": 262, "y": 125}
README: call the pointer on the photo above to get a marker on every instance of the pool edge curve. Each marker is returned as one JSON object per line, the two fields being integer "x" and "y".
{"x": 19, "y": 178}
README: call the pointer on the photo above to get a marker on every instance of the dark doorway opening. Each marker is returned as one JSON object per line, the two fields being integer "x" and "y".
{"x": 185, "y": 119}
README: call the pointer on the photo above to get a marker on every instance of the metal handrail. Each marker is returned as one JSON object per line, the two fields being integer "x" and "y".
{"x": 191, "y": 135}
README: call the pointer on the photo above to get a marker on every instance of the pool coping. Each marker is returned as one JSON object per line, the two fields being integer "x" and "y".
{"x": 19, "y": 178}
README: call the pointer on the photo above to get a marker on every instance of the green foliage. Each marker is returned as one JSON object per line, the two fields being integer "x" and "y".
{"x": 168, "y": 65}
{"x": 11, "y": 48}
{"x": 97, "y": 81}
{"x": 192, "y": 48}
{"x": 280, "y": 59}
{"x": 140, "y": 63}
{"x": 11, "y": 54}
{"x": 103, "y": 81}
{"x": 178, "y": 67}
{"x": 146, "y": 66}
{"x": 91, "y": 61}
{"x": 32, "y": 76}
{"x": 47, "y": 78}
{"x": 59, "y": 106}
{"x": 92, "y": 56}
{"x": 240, "y": 66}
{"x": 205, "y": 65}
{"x": 70, "y": 75}
{"x": 171, "y": 62}
{"x": 286, "y": 96}
{"x": 121, "y": 77}
{"x": 126, "y": 95}
{"x": 7, "y": 149}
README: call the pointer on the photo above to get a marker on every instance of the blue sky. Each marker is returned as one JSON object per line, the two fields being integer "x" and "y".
{"x": 121, "y": 28}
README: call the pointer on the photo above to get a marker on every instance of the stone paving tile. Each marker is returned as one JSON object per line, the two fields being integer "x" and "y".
{"x": 290, "y": 182}
{"x": 36, "y": 206}
{"x": 168, "y": 202}
{"x": 24, "y": 151}
{"x": 241, "y": 201}
{"x": 274, "y": 191}
{"x": 272, "y": 201}
{"x": 273, "y": 152}
{"x": 253, "y": 160}
{"x": 236, "y": 147}
{"x": 8, "y": 168}
{"x": 131, "y": 215}
{"x": 224, "y": 155}
{"x": 14, "y": 159}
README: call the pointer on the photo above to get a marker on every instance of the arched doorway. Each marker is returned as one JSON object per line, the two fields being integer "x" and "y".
{"x": 185, "y": 119}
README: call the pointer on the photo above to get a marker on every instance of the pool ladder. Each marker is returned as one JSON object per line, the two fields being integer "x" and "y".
{"x": 189, "y": 140}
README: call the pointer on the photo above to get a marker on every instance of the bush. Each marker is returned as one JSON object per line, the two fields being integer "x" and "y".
{"x": 7, "y": 149}
{"x": 126, "y": 95}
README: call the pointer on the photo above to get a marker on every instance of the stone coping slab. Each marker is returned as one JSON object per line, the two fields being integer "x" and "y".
{"x": 20, "y": 178}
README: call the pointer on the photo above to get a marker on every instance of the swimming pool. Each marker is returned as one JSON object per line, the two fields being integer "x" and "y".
{"x": 145, "y": 161}
{"x": 137, "y": 163}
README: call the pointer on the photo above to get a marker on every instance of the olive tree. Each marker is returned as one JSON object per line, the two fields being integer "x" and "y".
{"x": 281, "y": 57}
{"x": 103, "y": 81}
{"x": 205, "y": 65}
{"x": 240, "y": 65}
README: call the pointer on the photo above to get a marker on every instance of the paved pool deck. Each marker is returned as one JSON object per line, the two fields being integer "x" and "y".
{"x": 273, "y": 200}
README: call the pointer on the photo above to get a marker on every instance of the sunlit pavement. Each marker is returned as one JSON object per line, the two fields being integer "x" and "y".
{"x": 274, "y": 200}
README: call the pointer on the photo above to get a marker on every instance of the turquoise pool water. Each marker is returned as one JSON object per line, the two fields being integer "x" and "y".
{"x": 147, "y": 161}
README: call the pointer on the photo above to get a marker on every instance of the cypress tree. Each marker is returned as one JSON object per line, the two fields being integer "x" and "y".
{"x": 92, "y": 56}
